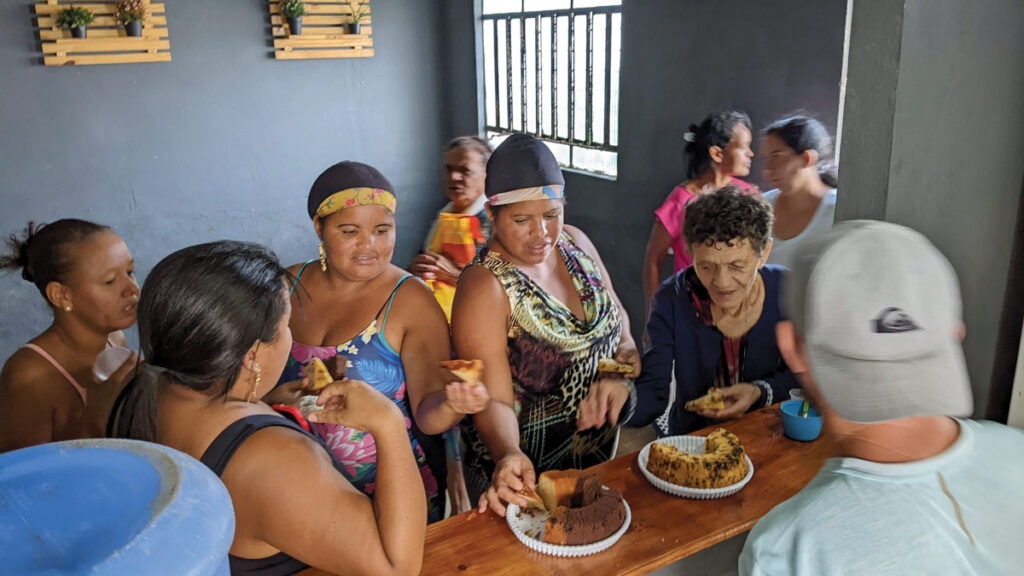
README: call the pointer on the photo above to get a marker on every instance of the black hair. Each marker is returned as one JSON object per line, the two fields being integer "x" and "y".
{"x": 201, "y": 310}
{"x": 42, "y": 251}
{"x": 715, "y": 130}
{"x": 802, "y": 133}
{"x": 475, "y": 143}
{"x": 727, "y": 214}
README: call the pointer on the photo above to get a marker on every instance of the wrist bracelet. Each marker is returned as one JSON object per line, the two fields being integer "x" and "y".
{"x": 766, "y": 392}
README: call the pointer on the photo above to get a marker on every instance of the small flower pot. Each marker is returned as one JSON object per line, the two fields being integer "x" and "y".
{"x": 133, "y": 28}
{"x": 295, "y": 26}
{"x": 78, "y": 32}
{"x": 353, "y": 28}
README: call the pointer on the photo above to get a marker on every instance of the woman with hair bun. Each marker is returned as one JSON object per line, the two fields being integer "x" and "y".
{"x": 47, "y": 388}
{"x": 804, "y": 198}
{"x": 717, "y": 153}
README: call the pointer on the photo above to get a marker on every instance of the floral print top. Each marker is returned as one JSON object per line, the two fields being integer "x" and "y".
{"x": 371, "y": 359}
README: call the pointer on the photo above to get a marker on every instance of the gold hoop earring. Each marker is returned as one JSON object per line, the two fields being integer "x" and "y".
{"x": 323, "y": 257}
{"x": 255, "y": 384}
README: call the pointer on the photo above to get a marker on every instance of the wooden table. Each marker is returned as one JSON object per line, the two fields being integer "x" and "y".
{"x": 664, "y": 528}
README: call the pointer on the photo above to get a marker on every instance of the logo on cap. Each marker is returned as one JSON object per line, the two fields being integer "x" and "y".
{"x": 893, "y": 321}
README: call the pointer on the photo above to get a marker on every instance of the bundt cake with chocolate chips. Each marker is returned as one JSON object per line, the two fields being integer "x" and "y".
{"x": 722, "y": 464}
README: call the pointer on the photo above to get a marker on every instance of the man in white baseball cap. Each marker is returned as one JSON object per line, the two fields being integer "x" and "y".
{"x": 874, "y": 338}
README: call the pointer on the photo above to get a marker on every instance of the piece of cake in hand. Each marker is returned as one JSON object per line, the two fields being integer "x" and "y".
{"x": 323, "y": 372}
{"x": 533, "y": 500}
{"x": 469, "y": 371}
{"x": 609, "y": 365}
{"x": 713, "y": 400}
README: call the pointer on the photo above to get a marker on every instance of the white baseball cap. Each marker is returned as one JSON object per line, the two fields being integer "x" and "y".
{"x": 879, "y": 308}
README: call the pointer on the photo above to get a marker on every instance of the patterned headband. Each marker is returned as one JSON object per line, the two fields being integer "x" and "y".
{"x": 551, "y": 192}
{"x": 351, "y": 197}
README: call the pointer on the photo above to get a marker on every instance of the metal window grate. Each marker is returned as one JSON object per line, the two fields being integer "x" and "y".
{"x": 554, "y": 74}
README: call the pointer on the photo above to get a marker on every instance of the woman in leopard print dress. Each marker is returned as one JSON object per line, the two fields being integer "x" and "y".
{"x": 539, "y": 309}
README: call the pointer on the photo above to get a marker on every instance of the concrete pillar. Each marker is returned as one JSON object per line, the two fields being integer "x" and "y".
{"x": 933, "y": 138}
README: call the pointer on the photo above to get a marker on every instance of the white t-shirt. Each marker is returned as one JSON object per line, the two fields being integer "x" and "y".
{"x": 820, "y": 223}
{"x": 859, "y": 517}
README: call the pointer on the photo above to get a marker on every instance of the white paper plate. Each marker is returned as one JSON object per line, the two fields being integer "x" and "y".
{"x": 692, "y": 445}
{"x": 521, "y": 523}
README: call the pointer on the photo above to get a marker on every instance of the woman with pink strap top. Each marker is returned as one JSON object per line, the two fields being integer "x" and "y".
{"x": 717, "y": 153}
{"x": 47, "y": 388}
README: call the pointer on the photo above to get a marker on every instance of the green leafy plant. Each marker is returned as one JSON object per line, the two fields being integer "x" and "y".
{"x": 358, "y": 11}
{"x": 293, "y": 8}
{"x": 75, "y": 18}
{"x": 130, "y": 10}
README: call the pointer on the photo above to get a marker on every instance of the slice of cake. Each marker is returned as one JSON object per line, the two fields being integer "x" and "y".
{"x": 323, "y": 372}
{"x": 469, "y": 371}
{"x": 533, "y": 500}
{"x": 713, "y": 400}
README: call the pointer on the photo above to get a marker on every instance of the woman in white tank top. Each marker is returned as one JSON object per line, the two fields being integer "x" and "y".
{"x": 797, "y": 150}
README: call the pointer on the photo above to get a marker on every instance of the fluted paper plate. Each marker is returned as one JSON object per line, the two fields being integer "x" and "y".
{"x": 523, "y": 523}
{"x": 692, "y": 445}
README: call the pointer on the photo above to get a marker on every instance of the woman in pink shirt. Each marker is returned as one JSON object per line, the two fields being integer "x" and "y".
{"x": 717, "y": 151}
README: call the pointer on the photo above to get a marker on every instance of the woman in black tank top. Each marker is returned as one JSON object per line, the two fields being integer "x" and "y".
{"x": 214, "y": 331}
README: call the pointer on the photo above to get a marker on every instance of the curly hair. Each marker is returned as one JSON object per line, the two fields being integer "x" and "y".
{"x": 726, "y": 215}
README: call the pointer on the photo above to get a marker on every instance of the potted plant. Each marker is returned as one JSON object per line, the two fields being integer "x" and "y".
{"x": 293, "y": 11}
{"x": 76, "y": 19}
{"x": 358, "y": 14}
{"x": 130, "y": 14}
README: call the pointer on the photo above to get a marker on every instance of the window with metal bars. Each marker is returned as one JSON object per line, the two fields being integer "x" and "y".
{"x": 551, "y": 70}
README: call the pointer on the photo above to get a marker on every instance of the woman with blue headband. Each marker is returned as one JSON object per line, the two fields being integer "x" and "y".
{"x": 539, "y": 310}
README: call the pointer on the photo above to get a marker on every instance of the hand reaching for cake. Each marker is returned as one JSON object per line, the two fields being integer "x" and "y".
{"x": 289, "y": 393}
{"x": 603, "y": 404}
{"x": 511, "y": 474}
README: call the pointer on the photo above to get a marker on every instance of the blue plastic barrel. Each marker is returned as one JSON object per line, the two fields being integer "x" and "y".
{"x": 103, "y": 507}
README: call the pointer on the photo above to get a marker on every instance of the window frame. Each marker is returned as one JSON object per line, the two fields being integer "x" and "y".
{"x": 549, "y": 79}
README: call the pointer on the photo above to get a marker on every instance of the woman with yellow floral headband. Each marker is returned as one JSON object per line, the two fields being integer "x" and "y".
{"x": 352, "y": 302}
{"x": 539, "y": 309}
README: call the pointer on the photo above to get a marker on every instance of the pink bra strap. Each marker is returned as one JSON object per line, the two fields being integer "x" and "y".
{"x": 78, "y": 388}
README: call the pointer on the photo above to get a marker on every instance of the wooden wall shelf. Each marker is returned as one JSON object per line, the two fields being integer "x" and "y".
{"x": 106, "y": 41}
{"x": 324, "y": 32}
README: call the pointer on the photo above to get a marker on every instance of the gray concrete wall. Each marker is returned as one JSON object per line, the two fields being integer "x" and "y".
{"x": 223, "y": 142}
{"x": 956, "y": 127}
{"x": 680, "y": 61}
{"x": 463, "y": 71}
{"x": 872, "y": 74}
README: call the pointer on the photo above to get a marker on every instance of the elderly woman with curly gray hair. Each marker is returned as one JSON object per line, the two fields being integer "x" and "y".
{"x": 714, "y": 322}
